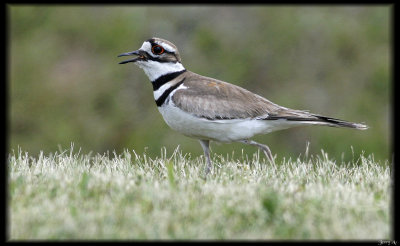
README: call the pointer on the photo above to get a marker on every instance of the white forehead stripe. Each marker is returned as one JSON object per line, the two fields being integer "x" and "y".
{"x": 167, "y": 47}
{"x": 146, "y": 46}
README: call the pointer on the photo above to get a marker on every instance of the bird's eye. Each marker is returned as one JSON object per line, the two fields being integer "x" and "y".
{"x": 157, "y": 50}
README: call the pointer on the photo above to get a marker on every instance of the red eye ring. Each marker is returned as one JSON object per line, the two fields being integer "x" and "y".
{"x": 157, "y": 49}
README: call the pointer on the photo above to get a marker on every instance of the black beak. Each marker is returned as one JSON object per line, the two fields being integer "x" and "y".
{"x": 136, "y": 52}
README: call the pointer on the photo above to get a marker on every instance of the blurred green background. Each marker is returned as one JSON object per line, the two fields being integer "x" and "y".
{"x": 65, "y": 84}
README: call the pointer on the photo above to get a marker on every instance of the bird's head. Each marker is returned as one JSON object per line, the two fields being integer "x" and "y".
{"x": 156, "y": 57}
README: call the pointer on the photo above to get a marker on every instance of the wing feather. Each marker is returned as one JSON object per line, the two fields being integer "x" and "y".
{"x": 214, "y": 99}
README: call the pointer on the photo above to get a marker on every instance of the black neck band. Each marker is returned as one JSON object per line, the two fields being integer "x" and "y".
{"x": 160, "y": 101}
{"x": 165, "y": 78}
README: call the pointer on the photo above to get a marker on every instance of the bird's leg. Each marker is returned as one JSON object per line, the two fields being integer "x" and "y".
{"x": 206, "y": 147}
{"x": 263, "y": 147}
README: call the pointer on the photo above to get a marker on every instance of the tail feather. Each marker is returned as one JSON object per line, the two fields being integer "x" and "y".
{"x": 319, "y": 119}
{"x": 341, "y": 123}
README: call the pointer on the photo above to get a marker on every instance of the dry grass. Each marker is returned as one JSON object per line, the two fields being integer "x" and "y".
{"x": 84, "y": 196}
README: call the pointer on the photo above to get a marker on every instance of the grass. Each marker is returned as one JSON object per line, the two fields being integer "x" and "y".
{"x": 69, "y": 195}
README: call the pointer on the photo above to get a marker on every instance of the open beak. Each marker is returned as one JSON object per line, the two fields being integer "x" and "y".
{"x": 136, "y": 52}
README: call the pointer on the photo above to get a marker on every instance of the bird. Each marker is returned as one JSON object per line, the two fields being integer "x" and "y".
{"x": 209, "y": 109}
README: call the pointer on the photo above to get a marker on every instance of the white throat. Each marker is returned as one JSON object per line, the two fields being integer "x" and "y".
{"x": 155, "y": 69}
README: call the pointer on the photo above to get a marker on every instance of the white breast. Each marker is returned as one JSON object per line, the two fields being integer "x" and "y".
{"x": 218, "y": 130}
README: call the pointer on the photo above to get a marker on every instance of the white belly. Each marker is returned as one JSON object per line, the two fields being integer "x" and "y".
{"x": 218, "y": 130}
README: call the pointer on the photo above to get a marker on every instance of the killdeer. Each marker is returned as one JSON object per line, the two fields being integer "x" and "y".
{"x": 208, "y": 109}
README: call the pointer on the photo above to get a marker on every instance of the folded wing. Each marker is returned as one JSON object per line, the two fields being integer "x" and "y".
{"x": 216, "y": 100}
